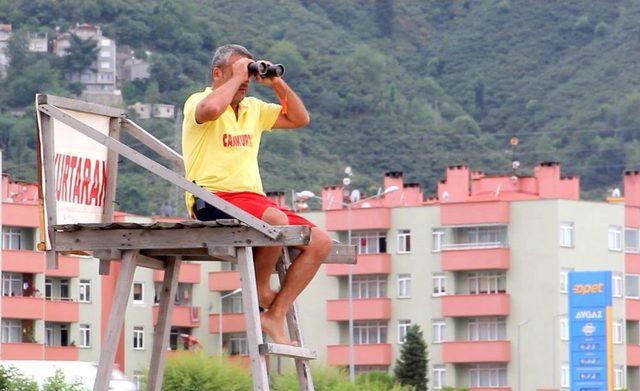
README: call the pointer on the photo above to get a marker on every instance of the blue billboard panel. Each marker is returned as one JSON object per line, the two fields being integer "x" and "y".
{"x": 590, "y": 303}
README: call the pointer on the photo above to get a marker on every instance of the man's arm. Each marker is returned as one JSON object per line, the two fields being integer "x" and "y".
{"x": 296, "y": 115}
{"x": 213, "y": 105}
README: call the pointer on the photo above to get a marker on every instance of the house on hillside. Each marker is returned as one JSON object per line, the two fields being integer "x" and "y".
{"x": 155, "y": 110}
{"x": 38, "y": 42}
{"x": 129, "y": 67}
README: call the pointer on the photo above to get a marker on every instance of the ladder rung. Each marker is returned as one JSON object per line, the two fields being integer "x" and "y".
{"x": 287, "y": 351}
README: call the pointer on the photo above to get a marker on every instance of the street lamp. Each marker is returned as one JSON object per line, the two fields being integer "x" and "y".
{"x": 355, "y": 199}
{"x": 220, "y": 317}
{"x": 519, "y": 357}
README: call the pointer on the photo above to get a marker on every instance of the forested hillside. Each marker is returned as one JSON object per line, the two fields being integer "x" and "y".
{"x": 391, "y": 85}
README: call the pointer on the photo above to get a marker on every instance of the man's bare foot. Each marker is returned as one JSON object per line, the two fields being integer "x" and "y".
{"x": 274, "y": 327}
{"x": 266, "y": 297}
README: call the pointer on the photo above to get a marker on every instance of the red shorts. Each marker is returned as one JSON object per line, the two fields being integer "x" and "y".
{"x": 256, "y": 204}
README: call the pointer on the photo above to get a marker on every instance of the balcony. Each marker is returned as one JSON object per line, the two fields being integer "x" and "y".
{"x": 632, "y": 309}
{"x": 377, "y": 354}
{"x": 632, "y": 263}
{"x": 189, "y": 274}
{"x": 22, "y": 261}
{"x": 65, "y": 311}
{"x": 20, "y": 215}
{"x": 22, "y": 307}
{"x": 633, "y": 355}
{"x": 232, "y": 322}
{"x": 495, "y": 304}
{"x": 361, "y": 219}
{"x": 461, "y": 352}
{"x": 224, "y": 281}
{"x": 475, "y": 259}
{"x": 466, "y": 213}
{"x": 363, "y": 309}
{"x": 22, "y": 351}
{"x": 367, "y": 264}
{"x": 67, "y": 267}
{"x": 61, "y": 353}
{"x": 183, "y": 316}
{"x": 490, "y": 389}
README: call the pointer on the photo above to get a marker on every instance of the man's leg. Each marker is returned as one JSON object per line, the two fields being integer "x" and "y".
{"x": 266, "y": 259}
{"x": 298, "y": 277}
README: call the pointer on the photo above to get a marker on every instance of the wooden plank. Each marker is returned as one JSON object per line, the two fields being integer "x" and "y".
{"x": 192, "y": 238}
{"x": 342, "y": 253}
{"x": 151, "y": 263}
{"x": 303, "y": 367}
{"x": 288, "y": 351}
{"x": 79, "y": 105}
{"x": 163, "y": 326}
{"x": 216, "y": 251}
{"x": 48, "y": 152}
{"x": 252, "y": 319}
{"x": 110, "y": 189}
{"x": 162, "y": 171}
{"x": 152, "y": 142}
{"x": 116, "y": 320}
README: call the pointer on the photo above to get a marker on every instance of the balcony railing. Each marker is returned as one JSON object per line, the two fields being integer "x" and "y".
{"x": 633, "y": 355}
{"x": 61, "y": 353}
{"x": 189, "y": 274}
{"x": 472, "y": 245}
{"x": 459, "y": 352}
{"x": 183, "y": 316}
{"x": 361, "y": 219}
{"x": 61, "y": 311}
{"x": 363, "y": 309}
{"x": 475, "y": 259}
{"x": 224, "y": 281}
{"x": 374, "y": 354}
{"x": 232, "y": 322}
{"x": 22, "y": 307}
{"x": 366, "y": 264}
{"x": 22, "y": 351}
{"x": 494, "y": 304}
{"x": 474, "y": 213}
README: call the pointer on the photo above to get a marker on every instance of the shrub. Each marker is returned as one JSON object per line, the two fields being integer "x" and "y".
{"x": 57, "y": 382}
{"x": 190, "y": 371}
{"x": 12, "y": 379}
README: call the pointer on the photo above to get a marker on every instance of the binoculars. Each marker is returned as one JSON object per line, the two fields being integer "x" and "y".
{"x": 264, "y": 69}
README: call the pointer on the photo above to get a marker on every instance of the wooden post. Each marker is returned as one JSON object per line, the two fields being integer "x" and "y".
{"x": 163, "y": 327}
{"x": 116, "y": 320}
{"x": 110, "y": 188}
{"x": 252, "y": 319}
{"x": 48, "y": 150}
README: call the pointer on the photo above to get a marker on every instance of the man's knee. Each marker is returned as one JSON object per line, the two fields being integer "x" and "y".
{"x": 321, "y": 242}
{"x": 274, "y": 216}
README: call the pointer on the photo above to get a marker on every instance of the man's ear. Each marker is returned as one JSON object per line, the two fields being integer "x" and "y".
{"x": 216, "y": 74}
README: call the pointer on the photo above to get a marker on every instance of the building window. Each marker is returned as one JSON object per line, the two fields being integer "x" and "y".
{"x": 564, "y": 328}
{"x": 11, "y": 284}
{"x": 618, "y": 377}
{"x": 618, "y": 330}
{"x": 403, "y": 327}
{"x": 370, "y": 242}
{"x": 631, "y": 285}
{"x": 631, "y": 240}
{"x": 370, "y": 332}
{"x": 85, "y": 336}
{"x": 12, "y": 238}
{"x": 237, "y": 344}
{"x": 48, "y": 288}
{"x": 616, "y": 284}
{"x": 138, "y": 337}
{"x": 487, "y": 329}
{"x": 615, "y": 238}
{"x": 439, "y": 284}
{"x": 565, "y": 376}
{"x": 494, "y": 236}
{"x": 404, "y": 285}
{"x": 231, "y": 304}
{"x": 438, "y": 330}
{"x": 105, "y": 54}
{"x": 104, "y": 65}
{"x": 105, "y": 42}
{"x": 64, "y": 289}
{"x": 224, "y": 266}
{"x": 566, "y": 234}
{"x": 404, "y": 241}
{"x": 48, "y": 335}
{"x": 487, "y": 282}
{"x": 488, "y": 375}
{"x": 11, "y": 330}
{"x": 439, "y": 376}
{"x": 564, "y": 280}
{"x": 438, "y": 239}
{"x": 85, "y": 291}
{"x": 369, "y": 286}
{"x": 138, "y": 293}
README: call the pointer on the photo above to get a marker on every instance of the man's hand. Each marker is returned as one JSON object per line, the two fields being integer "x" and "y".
{"x": 240, "y": 69}
{"x": 269, "y": 81}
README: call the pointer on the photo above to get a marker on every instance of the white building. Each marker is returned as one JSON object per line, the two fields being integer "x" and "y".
{"x": 5, "y": 34}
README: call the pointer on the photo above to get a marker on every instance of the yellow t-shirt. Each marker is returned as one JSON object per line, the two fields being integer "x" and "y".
{"x": 222, "y": 155}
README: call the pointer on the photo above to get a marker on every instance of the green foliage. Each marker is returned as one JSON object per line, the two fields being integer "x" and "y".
{"x": 58, "y": 382}
{"x": 331, "y": 379}
{"x": 411, "y": 366}
{"x": 200, "y": 372}
{"x": 11, "y": 379}
{"x": 80, "y": 54}
{"x": 583, "y": 24}
{"x": 454, "y": 389}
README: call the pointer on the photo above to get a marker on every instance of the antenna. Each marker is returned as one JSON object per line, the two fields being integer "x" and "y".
{"x": 514, "y": 141}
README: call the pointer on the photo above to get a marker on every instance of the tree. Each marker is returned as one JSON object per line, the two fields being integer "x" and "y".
{"x": 411, "y": 367}
{"x": 80, "y": 54}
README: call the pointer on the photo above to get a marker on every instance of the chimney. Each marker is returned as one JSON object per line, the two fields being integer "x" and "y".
{"x": 393, "y": 178}
{"x": 412, "y": 195}
{"x": 632, "y": 188}
{"x": 277, "y": 197}
{"x": 548, "y": 176}
{"x": 332, "y": 197}
{"x": 456, "y": 187}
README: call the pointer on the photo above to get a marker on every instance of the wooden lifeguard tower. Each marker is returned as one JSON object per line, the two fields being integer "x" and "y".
{"x": 79, "y": 146}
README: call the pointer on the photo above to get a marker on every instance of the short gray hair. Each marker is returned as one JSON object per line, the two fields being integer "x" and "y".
{"x": 222, "y": 54}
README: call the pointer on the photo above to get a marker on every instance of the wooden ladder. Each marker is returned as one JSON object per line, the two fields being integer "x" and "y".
{"x": 258, "y": 349}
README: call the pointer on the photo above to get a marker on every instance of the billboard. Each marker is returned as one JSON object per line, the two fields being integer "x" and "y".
{"x": 590, "y": 328}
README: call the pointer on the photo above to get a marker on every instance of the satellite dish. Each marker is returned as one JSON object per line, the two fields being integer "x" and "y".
{"x": 346, "y": 181}
{"x": 355, "y": 196}
{"x": 616, "y": 193}
{"x": 445, "y": 196}
{"x": 348, "y": 170}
